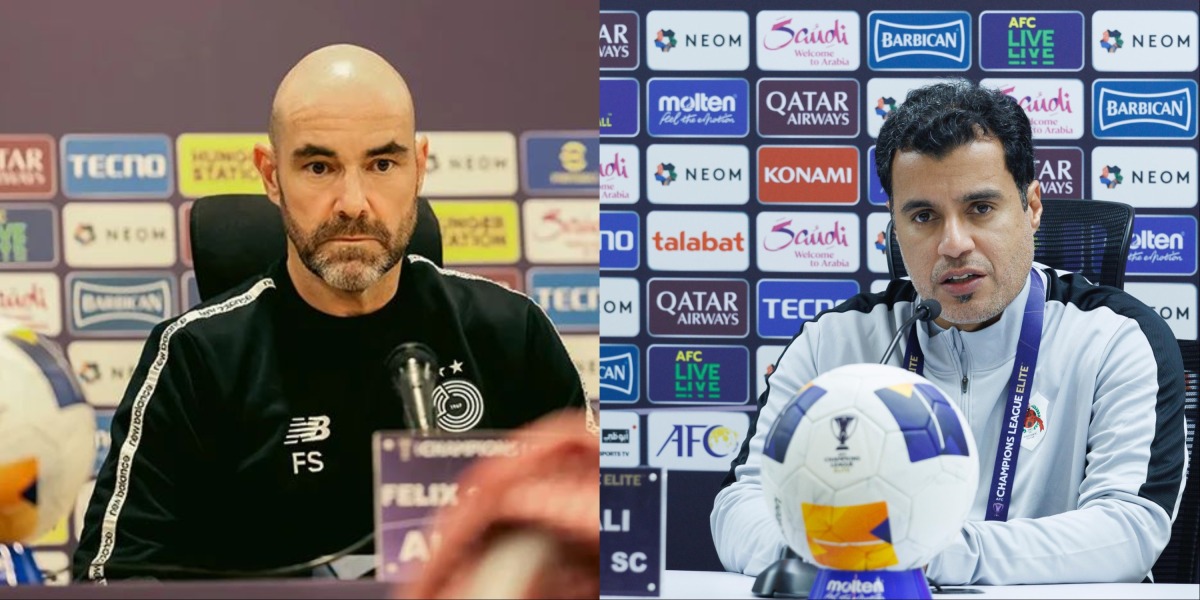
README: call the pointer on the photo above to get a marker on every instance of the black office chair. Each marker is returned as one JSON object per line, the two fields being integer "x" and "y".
{"x": 237, "y": 236}
{"x": 1089, "y": 237}
{"x": 1180, "y": 561}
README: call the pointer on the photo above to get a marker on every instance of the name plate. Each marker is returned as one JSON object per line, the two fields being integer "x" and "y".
{"x": 415, "y": 475}
{"x": 631, "y": 531}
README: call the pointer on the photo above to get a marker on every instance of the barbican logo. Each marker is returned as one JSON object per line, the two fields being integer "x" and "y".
{"x": 1110, "y": 176}
{"x": 619, "y": 367}
{"x": 919, "y": 41}
{"x": 1144, "y": 108}
{"x": 119, "y": 303}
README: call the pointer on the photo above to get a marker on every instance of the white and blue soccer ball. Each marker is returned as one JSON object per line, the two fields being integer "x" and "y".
{"x": 47, "y": 435}
{"x": 869, "y": 467}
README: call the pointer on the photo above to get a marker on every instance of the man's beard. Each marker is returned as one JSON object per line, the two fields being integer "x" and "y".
{"x": 349, "y": 267}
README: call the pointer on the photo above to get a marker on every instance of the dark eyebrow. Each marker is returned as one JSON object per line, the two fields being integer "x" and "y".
{"x": 976, "y": 196}
{"x": 388, "y": 148}
{"x": 311, "y": 150}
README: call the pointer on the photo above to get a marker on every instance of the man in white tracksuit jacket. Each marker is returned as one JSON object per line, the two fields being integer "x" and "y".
{"x": 1102, "y": 458}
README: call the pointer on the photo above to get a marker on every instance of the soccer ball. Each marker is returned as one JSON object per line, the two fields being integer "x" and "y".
{"x": 869, "y": 467}
{"x": 47, "y": 435}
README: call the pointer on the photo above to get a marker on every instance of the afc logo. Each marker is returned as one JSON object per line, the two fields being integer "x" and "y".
{"x": 303, "y": 430}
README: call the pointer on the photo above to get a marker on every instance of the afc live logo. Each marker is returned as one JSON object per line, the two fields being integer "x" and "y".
{"x": 808, "y": 174}
{"x": 690, "y": 241}
{"x": 698, "y": 374}
{"x": 1031, "y": 41}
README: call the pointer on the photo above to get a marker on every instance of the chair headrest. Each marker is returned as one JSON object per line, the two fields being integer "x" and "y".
{"x": 237, "y": 236}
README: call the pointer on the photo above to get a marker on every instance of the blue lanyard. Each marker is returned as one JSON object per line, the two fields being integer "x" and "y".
{"x": 1020, "y": 385}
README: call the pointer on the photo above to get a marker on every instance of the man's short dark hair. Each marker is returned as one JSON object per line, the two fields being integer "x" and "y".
{"x": 936, "y": 119}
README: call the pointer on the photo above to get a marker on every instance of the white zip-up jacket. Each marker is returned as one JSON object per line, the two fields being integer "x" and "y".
{"x": 1098, "y": 481}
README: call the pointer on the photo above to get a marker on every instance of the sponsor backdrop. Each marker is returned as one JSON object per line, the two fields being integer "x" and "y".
{"x": 113, "y": 126}
{"x": 739, "y": 196}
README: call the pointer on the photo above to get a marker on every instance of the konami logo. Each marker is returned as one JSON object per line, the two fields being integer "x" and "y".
{"x": 808, "y": 174}
{"x": 691, "y": 241}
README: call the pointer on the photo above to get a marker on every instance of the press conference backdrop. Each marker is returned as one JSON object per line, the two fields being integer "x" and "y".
{"x": 117, "y": 115}
{"x": 740, "y": 197}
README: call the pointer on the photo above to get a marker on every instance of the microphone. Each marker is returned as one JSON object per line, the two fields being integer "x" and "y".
{"x": 412, "y": 366}
{"x": 927, "y": 310}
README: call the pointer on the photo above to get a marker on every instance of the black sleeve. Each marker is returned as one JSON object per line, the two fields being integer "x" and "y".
{"x": 139, "y": 511}
{"x": 552, "y": 378}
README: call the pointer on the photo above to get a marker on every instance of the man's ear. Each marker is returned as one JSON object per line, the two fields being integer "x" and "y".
{"x": 1034, "y": 196}
{"x": 422, "y": 160}
{"x": 268, "y": 169}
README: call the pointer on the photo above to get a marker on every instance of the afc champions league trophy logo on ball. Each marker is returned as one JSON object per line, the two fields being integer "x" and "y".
{"x": 843, "y": 427}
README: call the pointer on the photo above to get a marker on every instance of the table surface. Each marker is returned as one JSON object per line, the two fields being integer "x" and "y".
{"x": 707, "y": 584}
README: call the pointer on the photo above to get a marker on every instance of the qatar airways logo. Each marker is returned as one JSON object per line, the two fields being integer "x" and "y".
{"x": 808, "y": 40}
{"x": 1054, "y": 106}
{"x": 817, "y": 242}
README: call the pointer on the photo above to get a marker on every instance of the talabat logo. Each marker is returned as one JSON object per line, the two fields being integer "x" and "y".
{"x": 808, "y": 107}
{"x": 619, "y": 235}
{"x": 1174, "y": 302}
{"x": 32, "y": 299}
{"x": 570, "y": 297}
{"x": 709, "y": 40}
{"x": 885, "y": 95}
{"x": 808, "y": 174}
{"x": 470, "y": 163}
{"x": 114, "y": 234}
{"x": 1163, "y": 245}
{"x": 700, "y": 174}
{"x": 691, "y": 241}
{"x": 698, "y": 374}
{"x": 813, "y": 242}
{"x": 1145, "y": 177}
{"x": 104, "y": 368}
{"x": 1145, "y": 40}
{"x": 619, "y": 366}
{"x": 28, "y": 236}
{"x": 619, "y": 40}
{"x": 1031, "y": 41}
{"x": 919, "y": 41}
{"x": 698, "y": 107}
{"x": 562, "y": 231}
{"x": 116, "y": 166}
{"x": 1144, "y": 109}
{"x": 620, "y": 439}
{"x": 27, "y": 167}
{"x": 697, "y": 307}
{"x": 786, "y": 304}
{"x": 808, "y": 40}
{"x": 620, "y": 172}
{"x": 1054, "y": 106}
{"x": 478, "y": 232}
{"x": 565, "y": 163}
{"x": 119, "y": 303}
{"x": 1060, "y": 171}
{"x": 695, "y": 440}
{"x": 218, "y": 163}
{"x": 619, "y": 107}
{"x": 620, "y": 307}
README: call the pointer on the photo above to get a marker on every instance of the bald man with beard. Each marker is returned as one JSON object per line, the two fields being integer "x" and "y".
{"x": 243, "y": 441}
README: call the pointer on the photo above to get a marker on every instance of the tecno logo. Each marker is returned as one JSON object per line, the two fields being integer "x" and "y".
{"x": 785, "y": 304}
{"x": 117, "y": 166}
{"x": 808, "y": 174}
{"x": 690, "y": 241}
